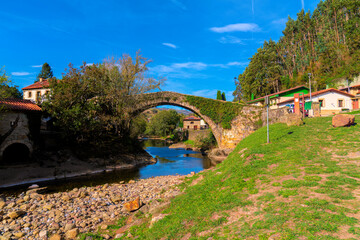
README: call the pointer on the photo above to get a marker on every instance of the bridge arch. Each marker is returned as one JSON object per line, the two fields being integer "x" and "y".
{"x": 151, "y": 100}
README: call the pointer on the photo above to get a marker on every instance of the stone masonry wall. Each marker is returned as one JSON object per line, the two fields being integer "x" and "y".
{"x": 20, "y": 133}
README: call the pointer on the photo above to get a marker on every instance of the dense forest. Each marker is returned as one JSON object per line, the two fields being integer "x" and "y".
{"x": 325, "y": 43}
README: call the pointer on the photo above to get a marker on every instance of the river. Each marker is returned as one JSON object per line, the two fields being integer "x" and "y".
{"x": 169, "y": 162}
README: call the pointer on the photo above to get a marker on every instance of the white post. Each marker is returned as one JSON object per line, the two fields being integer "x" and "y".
{"x": 267, "y": 118}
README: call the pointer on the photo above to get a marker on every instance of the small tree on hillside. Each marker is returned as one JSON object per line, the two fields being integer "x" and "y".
{"x": 223, "y": 97}
{"x": 218, "y": 95}
{"x": 45, "y": 73}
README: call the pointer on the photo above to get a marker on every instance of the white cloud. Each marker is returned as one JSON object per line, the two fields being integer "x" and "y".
{"x": 179, "y": 4}
{"x": 36, "y": 66}
{"x": 231, "y": 39}
{"x": 20, "y": 73}
{"x": 211, "y": 93}
{"x": 302, "y": 4}
{"x": 237, "y": 27}
{"x": 252, "y": 7}
{"x": 90, "y": 64}
{"x": 170, "y": 45}
{"x": 191, "y": 66}
{"x": 237, "y": 63}
{"x": 280, "y": 22}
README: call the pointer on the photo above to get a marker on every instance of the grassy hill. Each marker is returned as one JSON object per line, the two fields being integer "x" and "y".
{"x": 303, "y": 185}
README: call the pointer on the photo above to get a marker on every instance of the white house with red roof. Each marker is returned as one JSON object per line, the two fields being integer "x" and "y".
{"x": 331, "y": 101}
{"x": 36, "y": 92}
{"x": 19, "y": 127}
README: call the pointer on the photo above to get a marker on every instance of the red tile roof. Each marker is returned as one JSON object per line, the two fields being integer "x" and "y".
{"x": 38, "y": 85}
{"x": 320, "y": 92}
{"x": 283, "y": 91}
{"x": 345, "y": 88}
{"x": 19, "y": 105}
{"x": 192, "y": 118}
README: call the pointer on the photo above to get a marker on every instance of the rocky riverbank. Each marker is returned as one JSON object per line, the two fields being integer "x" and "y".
{"x": 63, "y": 215}
{"x": 64, "y": 164}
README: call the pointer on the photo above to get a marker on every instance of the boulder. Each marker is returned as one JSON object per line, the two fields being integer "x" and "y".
{"x": 55, "y": 237}
{"x": 343, "y": 120}
{"x": 294, "y": 120}
{"x": 16, "y": 214}
{"x": 132, "y": 205}
{"x": 71, "y": 234}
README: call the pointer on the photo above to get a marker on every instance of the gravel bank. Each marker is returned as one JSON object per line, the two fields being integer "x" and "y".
{"x": 33, "y": 215}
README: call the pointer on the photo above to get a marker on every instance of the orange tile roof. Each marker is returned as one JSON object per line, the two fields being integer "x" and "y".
{"x": 191, "y": 118}
{"x": 19, "y": 105}
{"x": 320, "y": 92}
{"x": 38, "y": 85}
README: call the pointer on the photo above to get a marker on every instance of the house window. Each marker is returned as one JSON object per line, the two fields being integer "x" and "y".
{"x": 38, "y": 93}
{"x": 340, "y": 103}
{"x": 29, "y": 94}
{"x": 191, "y": 122}
{"x": 322, "y": 102}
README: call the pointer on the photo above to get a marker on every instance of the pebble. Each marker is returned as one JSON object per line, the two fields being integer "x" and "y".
{"x": 38, "y": 215}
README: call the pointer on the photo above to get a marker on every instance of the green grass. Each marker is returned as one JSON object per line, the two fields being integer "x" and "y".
{"x": 295, "y": 187}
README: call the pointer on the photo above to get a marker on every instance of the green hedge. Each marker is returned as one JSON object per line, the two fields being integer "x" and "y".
{"x": 220, "y": 112}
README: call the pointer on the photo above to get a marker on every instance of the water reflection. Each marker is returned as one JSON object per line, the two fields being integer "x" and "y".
{"x": 170, "y": 162}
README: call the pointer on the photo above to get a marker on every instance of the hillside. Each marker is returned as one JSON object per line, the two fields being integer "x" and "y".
{"x": 325, "y": 43}
{"x": 296, "y": 187}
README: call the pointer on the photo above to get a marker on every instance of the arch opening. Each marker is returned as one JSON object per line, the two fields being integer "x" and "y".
{"x": 216, "y": 131}
{"x": 15, "y": 153}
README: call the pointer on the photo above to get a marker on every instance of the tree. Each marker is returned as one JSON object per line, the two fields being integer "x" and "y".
{"x": 218, "y": 95}
{"x": 223, "y": 97}
{"x": 6, "y": 90}
{"x": 93, "y": 102}
{"x": 138, "y": 125}
{"x": 45, "y": 73}
{"x": 325, "y": 43}
{"x": 163, "y": 123}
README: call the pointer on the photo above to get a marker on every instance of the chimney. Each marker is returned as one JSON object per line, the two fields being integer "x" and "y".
{"x": 41, "y": 79}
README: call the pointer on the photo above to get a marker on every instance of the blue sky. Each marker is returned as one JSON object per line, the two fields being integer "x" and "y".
{"x": 198, "y": 45}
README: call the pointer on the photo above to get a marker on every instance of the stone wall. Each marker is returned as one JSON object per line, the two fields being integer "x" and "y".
{"x": 20, "y": 134}
{"x": 196, "y": 134}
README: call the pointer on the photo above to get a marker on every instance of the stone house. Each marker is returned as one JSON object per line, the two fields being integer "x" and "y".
{"x": 192, "y": 123}
{"x": 19, "y": 129}
{"x": 280, "y": 96}
{"x": 331, "y": 101}
{"x": 36, "y": 92}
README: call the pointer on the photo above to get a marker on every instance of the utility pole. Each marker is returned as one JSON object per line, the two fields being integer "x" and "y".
{"x": 309, "y": 74}
{"x": 267, "y": 117}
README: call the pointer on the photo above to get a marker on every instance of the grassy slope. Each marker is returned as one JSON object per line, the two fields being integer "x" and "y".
{"x": 304, "y": 184}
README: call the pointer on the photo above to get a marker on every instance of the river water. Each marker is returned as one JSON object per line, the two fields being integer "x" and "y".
{"x": 169, "y": 162}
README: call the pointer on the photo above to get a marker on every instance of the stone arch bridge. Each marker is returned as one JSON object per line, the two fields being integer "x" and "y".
{"x": 245, "y": 118}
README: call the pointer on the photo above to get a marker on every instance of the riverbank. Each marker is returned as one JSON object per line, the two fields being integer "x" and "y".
{"x": 303, "y": 185}
{"x": 64, "y": 164}
{"x": 33, "y": 215}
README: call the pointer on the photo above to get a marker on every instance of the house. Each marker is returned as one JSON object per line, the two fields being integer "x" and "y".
{"x": 331, "y": 101}
{"x": 280, "y": 96}
{"x": 354, "y": 90}
{"x": 36, "y": 92}
{"x": 19, "y": 129}
{"x": 192, "y": 123}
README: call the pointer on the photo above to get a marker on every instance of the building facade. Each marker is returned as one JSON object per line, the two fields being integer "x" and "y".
{"x": 331, "y": 101}
{"x": 192, "y": 123}
{"x": 37, "y": 92}
{"x": 280, "y": 96}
